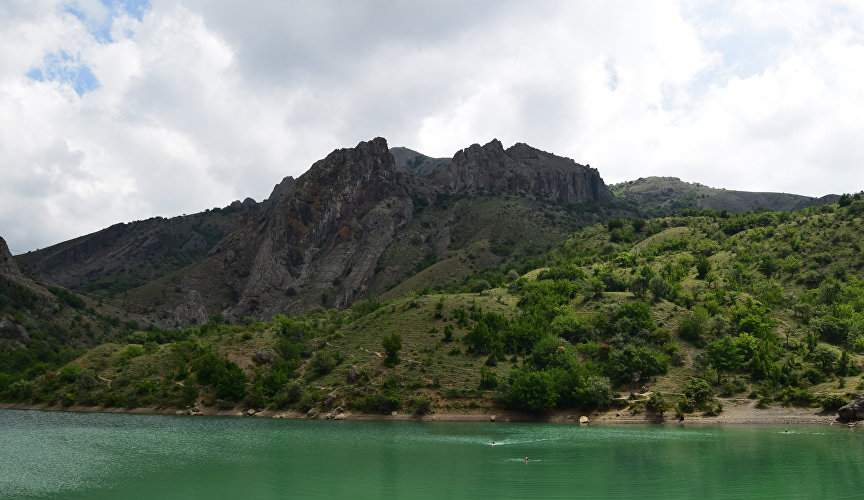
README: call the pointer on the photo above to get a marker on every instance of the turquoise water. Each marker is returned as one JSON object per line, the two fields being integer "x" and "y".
{"x": 102, "y": 456}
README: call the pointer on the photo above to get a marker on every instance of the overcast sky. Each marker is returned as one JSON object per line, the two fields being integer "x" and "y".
{"x": 116, "y": 111}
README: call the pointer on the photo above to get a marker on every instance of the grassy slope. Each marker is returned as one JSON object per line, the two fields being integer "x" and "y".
{"x": 810, "y": 248}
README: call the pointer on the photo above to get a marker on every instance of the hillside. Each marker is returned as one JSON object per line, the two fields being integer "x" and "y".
{"x": 43, "y": 328}
{"x": 678, "y": 309}
{"x": 658, "y": 195}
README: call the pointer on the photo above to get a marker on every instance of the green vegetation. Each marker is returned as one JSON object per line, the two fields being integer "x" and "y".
{"x": 767, "y": 305}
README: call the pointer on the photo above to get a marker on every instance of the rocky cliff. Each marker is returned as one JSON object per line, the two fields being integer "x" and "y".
{"x": 518, "y": 170}
{"x": 319, "y": 243}
{"x": 7, "y": 264}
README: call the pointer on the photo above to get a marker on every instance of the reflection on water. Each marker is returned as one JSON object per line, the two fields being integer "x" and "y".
{"x": 93, "y": 456}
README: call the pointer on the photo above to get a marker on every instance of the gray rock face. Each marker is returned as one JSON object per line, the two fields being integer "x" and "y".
{"x": 262, "y": 357}
{"x": 280, "y": 188}
{"x": 321, "y": 241}
{"x": 853, "y": 410}
{"x": 192, "y": 311}
{"x": 7, "y": 264}
{"x": 520, "y": 170}
{"x": 353, "y": 374}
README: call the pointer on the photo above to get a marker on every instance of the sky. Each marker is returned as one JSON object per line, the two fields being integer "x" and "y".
{"x": 120, "y": 110}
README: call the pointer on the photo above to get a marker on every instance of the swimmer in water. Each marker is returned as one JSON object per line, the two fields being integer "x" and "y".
{"x": 525, "y": 459}
{"x": 493, "y": 443}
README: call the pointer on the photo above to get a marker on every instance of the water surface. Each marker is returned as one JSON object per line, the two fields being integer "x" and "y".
{"x": 102, "y": 456}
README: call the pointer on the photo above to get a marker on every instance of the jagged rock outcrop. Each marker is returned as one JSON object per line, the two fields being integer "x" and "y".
{"x": 853, "y": 410}
{"x": 191, "y": 311}
{"x": 520, "y": 170}
{"x": 280, "y": 188}
{"x": 7, "y": 264}
{"x": 320, "y": 242}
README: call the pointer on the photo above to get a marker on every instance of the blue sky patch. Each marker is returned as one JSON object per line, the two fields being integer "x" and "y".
{"x": 100, "y": 26}
{"x": 64, "y": 68}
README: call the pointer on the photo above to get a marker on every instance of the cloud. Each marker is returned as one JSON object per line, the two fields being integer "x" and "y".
{"x": 122, "y": 110}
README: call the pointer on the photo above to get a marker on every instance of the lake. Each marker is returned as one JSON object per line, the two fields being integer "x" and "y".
{"x": 110, "y": 456}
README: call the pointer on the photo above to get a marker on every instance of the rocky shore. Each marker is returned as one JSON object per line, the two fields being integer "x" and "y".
{"x": 735, "y": 412}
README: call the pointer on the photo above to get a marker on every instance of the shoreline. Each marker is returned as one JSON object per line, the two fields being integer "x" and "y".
{"x": 735, "y": 412}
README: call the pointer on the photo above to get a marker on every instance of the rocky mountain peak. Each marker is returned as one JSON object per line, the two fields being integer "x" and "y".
{"x": 280, "y": 188}
{"x": 520, "y": 170}
{"x": 7, "y": 265}
{"x": 321, "y": 241}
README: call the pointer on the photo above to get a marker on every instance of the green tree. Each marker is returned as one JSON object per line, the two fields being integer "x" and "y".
{"x": 392, "y": 344}
{"x": 698, "y": 391}
{"x": 703, "y": 267}
{"x": 693, "y": 325}
{"x": 533, "y": 390}
{"x": 634, "y": 364}
{"x": 723, "y": 355}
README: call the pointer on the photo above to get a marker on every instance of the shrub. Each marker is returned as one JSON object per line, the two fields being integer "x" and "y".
{"x": 365, "y": 306}
{"x": 488, "y": 379}
{"x": 224, "y": 375}
{"x": 699, "y": 391}
{"x": 832, "y": 402}
{"x": 533, "y": 390}
{"x": 324, "y": 362}
{"x": 693, "y": 326}
{"x": 392, "y": 344}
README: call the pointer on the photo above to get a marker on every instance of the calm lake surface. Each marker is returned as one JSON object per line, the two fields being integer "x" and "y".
{"x": 96, "y": 456}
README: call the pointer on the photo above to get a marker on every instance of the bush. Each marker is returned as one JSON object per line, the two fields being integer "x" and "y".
{"x": 488, "y": 379}
{"x": 386, "y": 401}
{"x": 692, "y": 326}
{"x": 392, "y": 344}
{"x": 832, "y": 402}
{"x": 363, "y": 307}
{"x": 324, "y": 362}
{"x": 224, "y": 375}
{"x": 634, "y": 364}
{"x": 699, "y": 391}
{"x": 533, "y": 390}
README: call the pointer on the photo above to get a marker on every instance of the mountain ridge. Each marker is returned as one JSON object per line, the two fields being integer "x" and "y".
{"x": 359, "y": 222}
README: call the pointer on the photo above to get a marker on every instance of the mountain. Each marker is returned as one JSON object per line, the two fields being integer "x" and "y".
{"x": 658, "y": 195}
{"x": 647, "y": 319}
{"x": 355, "y": 225}
{"x": 125, "y": 256}
{"x": 364, "y": 221}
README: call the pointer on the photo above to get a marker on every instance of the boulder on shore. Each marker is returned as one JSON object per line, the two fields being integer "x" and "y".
{"x": 852, "y": 411}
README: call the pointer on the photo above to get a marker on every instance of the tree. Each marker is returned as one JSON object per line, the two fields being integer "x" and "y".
{"x": 703, "y": 267}
{"x": 634, "y": 364}
{"x": 698, "y": 391}
{"x": 692, "y": 326}
{"x": 825, "y": 358}
{"x": 533, "y": 390}
{"x": 724, "y": 355}
{"x": 392, "y": 344}
{"x": 659, "y": 288}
